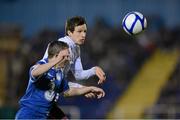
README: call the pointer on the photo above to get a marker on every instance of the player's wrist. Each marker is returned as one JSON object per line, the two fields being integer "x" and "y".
{"x": 94, "y": 70}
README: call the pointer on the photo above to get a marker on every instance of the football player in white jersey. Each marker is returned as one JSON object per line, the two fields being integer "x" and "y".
{"x": 76, "y": 29}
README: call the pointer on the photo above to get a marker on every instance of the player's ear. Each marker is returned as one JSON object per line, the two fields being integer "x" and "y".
{"x": 69, "y": 32}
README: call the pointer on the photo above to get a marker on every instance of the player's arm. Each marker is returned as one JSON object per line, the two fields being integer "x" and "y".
{"x": 81, "y": 74}
{"x": 76, "y": 85}
{"x": 84, "y": 90}
{"x": 39, "y": 69}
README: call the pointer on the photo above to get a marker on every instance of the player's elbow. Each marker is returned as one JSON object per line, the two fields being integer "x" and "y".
{"x": 79, "y": 77}
{"x": 34, "y": 73}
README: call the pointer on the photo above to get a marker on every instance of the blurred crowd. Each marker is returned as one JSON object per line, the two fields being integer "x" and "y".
{"x": 119, "y": 54}
{"x": 168, "y": 104}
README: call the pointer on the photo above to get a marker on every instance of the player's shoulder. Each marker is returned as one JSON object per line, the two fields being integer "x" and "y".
{"x": 67, "y": 40}
{"x": 42, "y": 61}
{"x": 63, "y": 39}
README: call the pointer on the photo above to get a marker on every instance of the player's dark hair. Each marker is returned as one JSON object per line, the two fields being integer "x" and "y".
{"x": 55, "y": 47}
{"x": 71, "y": 23}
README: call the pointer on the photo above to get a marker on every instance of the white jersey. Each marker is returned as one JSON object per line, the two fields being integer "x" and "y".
{"x": 75, "y": 64}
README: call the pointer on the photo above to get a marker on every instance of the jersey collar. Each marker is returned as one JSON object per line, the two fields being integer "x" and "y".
{"x": 71, "y": 41}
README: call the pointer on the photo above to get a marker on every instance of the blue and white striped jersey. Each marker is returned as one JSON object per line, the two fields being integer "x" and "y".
{"x": 43, "y": 90}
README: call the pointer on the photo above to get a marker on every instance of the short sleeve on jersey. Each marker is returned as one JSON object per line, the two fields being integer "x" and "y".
{"x": 43, "y": 61}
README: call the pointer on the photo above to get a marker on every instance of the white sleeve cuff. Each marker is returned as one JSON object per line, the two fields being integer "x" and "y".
{"x": 76, "y": 85}
{"x": 93, "y": 70}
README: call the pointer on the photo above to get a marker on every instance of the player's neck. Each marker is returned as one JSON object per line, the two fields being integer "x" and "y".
{"x": 70, "y": 38}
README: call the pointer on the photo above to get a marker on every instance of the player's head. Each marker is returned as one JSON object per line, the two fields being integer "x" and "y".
{"x": 76, "y": 29}
{"x": 55, "y": 47}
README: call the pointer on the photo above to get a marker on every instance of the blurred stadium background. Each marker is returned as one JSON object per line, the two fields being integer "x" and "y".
{"x": 143, "y": 72}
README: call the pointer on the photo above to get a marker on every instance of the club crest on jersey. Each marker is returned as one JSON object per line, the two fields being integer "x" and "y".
{"x": 58, "y": 76}
{"x": 49, "y": 95}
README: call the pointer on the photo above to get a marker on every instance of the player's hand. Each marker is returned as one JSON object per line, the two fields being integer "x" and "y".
{"x": 98, "y": 92}
{"x": 90, "y": 95}
{"x": 101, "y": 75}
{"x": 62, "y": 56}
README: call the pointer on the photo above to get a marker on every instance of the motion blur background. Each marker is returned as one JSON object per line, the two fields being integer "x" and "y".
{"x": 143, "y": 71}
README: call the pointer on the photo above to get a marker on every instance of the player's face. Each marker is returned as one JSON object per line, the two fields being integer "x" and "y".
{"x": 79, "y": 34}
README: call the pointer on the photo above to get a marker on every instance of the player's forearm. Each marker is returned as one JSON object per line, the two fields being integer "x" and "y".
{"x": 84, "y": 74}
{"x": 80, "y": 73}
{"x": 77, "y": 91}
{"x": 40, "y": 69}
{"x": 75, "y": 85}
